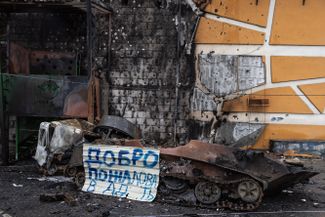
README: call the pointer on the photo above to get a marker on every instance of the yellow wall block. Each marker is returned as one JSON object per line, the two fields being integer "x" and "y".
{"x": 297, "y": 68}
{"x": 289, "y": 132}
{"x": 316, "y": 94}
{"x": 242, "y": 10}
{"x": 214, "y": 32}
{"x": 280, "y": 100}
{"x": 298, "y": 24}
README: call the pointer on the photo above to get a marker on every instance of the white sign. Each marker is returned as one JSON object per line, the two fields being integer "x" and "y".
{"x": 121, "y": 171}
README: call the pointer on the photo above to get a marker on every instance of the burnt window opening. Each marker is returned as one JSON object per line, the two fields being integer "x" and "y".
{"x": 48, "y": 44}
{"x": 159, "y": 3}
{"x": 125, "y": 2}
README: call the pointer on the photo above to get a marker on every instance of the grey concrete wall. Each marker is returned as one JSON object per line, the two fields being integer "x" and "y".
{"x": 142, "y": 80}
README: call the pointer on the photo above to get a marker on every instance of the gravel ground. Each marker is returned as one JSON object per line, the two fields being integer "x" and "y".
{"x": 20, "y": 196}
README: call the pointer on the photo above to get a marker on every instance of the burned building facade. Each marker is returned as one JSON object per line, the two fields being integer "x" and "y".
{"x": 221, "y": 71}
{"x": 131, "y": 59}
{"x": 145, "y": 61}
{"x": 49, "y": 52}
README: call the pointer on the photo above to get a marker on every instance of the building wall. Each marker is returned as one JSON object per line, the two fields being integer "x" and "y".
{"x": 142, "y": 80}
{"x": 257, "y": 73}
{"x": 288, "y": 35}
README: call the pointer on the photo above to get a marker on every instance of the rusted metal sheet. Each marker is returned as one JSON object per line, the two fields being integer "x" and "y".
{"x": 19, "y": 59}
{"x": 54, "y": 63}
{"x": 121, "y": 171}
{"x": 25, "y": 61}
{"x": 244, "y": 162}
{"x": 75, "y": 103}
{"x": 45, "y": 95}
{"x": 201, "y": 151}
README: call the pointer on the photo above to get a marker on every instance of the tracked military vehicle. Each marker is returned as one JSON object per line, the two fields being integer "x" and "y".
{"x": 196, "y": 174}
{"x": 216, "y": 176}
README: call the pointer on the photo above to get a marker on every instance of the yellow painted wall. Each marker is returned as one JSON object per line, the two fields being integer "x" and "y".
{"x": 286, "y": 68}
{"x": 215, "y": 32}
{"x": 281, "y": 100}
{"x": 316, "y": 94}
{"x": 289, "y": 133}
{"x": 289, "y": 73}
{"x": 298, "y": 24}
{"x": 233, "y": 9}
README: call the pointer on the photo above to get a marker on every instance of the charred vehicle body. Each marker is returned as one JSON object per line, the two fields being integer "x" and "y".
{"x": 217, "y": 176}
{"x": 198, "y": 173}
{"x": 56, "y": 142}
{"x": 60, "y": 143}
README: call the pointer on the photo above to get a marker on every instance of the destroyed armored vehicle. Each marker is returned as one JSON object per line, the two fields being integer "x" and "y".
{"x": 196, "y": 174}
{"x": 216, "y": 176}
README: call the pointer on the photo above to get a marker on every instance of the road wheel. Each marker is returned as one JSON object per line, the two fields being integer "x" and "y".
{"x": 207, "y": 192}
{"x": 70, "y": 171}
{"x": 249, "y": 191}
{"x": 175, "y": 184}
{"x": 80, "y": 179}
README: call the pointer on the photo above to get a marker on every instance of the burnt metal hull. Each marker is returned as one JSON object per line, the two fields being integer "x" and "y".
{"x": 227, "y": 168}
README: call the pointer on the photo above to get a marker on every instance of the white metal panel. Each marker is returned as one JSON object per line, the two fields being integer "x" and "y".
{"x": 121, "y": 171}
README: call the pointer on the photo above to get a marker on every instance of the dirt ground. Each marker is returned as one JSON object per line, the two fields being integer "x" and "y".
{"x": 20, "y": 192}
